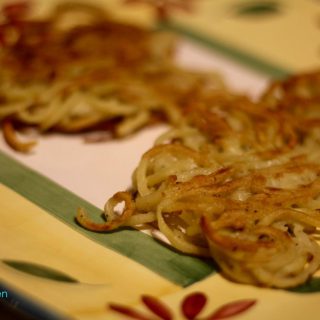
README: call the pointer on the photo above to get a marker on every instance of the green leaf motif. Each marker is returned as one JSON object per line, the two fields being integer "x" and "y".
{"x": 312, "y": 286}
{"x": 258, "y": 8}
{"x": 39, "y": 271}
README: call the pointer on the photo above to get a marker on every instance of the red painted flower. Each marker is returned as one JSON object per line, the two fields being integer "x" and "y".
{"x": 191, "y": 306}
{"x": 164, "y": 8}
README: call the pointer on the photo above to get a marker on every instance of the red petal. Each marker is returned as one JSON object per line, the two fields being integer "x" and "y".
{"x": 231, "y": 309}
{"x": 157, "y": 307}
{"x": 193, "y": 304}
{"x": 127, "y": 311}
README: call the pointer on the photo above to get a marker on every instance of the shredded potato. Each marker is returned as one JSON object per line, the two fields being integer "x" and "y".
{"x": 239, "y": 181}
{"x": 93, "y": 73}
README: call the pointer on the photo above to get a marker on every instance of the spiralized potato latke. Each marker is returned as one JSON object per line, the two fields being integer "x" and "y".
{"x": 80, "y": 69}
{"x": 236, "y": 180}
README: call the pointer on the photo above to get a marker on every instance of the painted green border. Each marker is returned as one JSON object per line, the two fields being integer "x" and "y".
{"x": 228, "y": 51}
{"x": 61, "y": 203}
